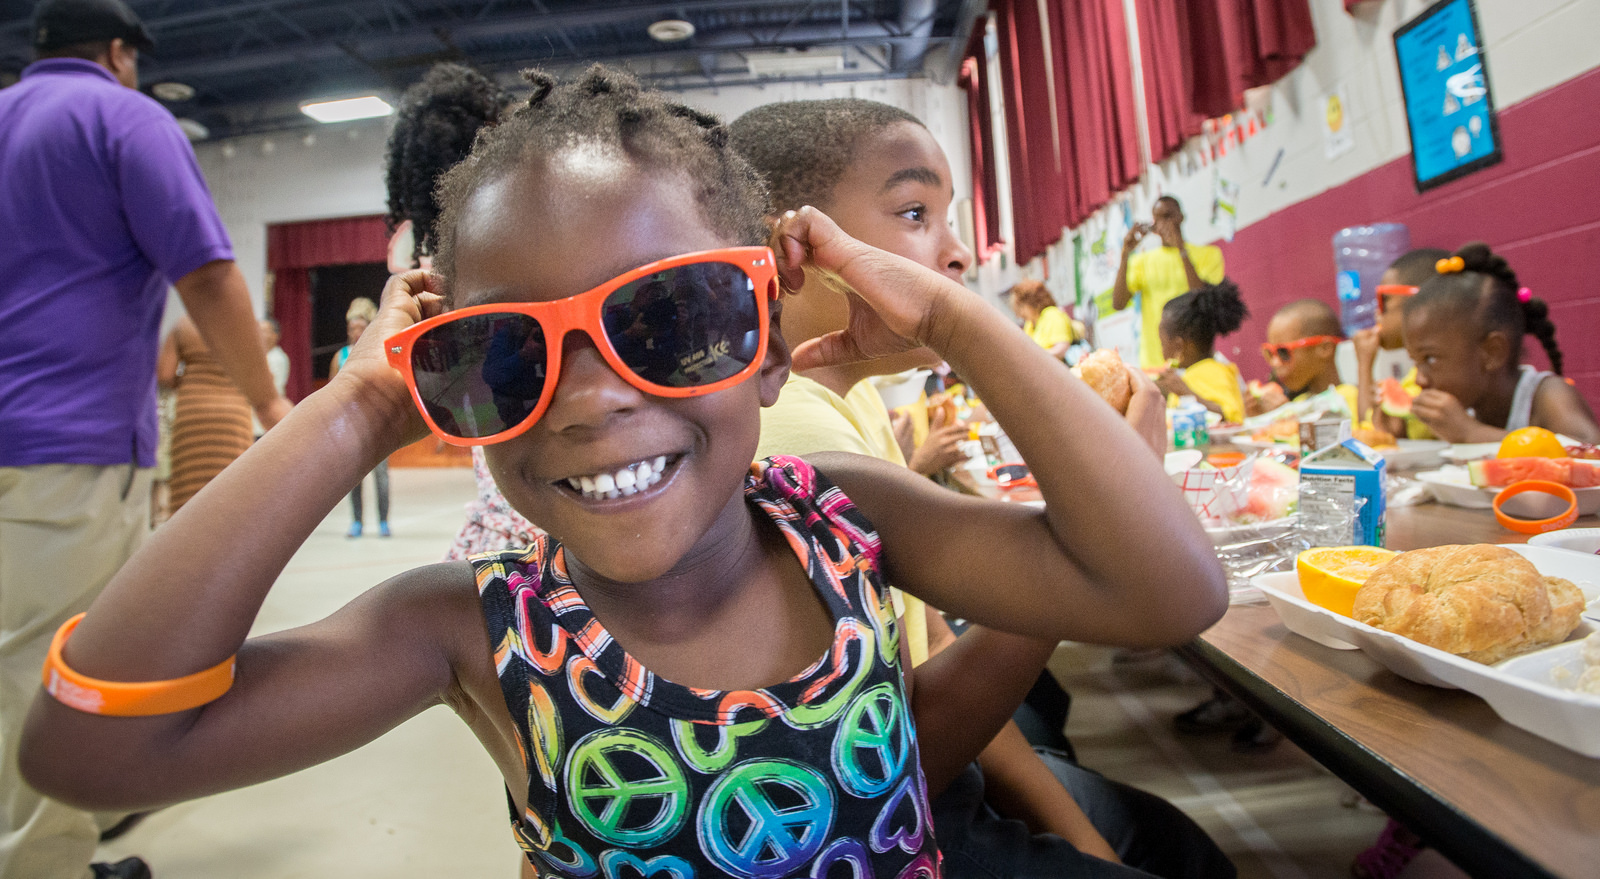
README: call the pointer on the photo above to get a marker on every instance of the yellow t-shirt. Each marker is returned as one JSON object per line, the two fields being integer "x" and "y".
{"x": 1217, "y": 382}
{"x": 1158, "y": 277}
{"x": 1051, "y": 329}
{"x": 810, "y": 418}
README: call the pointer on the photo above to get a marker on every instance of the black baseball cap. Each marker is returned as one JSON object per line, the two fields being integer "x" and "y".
{"x": 58, "y": 23}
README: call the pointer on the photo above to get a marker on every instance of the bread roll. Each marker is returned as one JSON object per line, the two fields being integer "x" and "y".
{"x": 1104, "y": 371}
{"x": 1481, "y": 602}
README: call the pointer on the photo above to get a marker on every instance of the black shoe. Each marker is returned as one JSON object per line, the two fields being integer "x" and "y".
{"x": 1218, "y": 714}
{"x": 128, "y": 822}
{"x": 1255, "y": 737}
{"x": 127, "y": 868}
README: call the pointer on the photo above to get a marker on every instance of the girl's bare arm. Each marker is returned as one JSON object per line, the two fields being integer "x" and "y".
{"x": 188, "y": 599}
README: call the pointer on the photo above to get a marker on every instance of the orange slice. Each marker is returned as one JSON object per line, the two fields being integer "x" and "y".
{"x": 1330, "y": 576}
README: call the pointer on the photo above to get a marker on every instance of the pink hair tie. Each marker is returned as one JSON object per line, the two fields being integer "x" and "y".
{"x": 1524, "y": 294}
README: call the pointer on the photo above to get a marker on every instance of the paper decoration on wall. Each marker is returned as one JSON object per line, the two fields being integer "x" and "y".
{"x": 1225, "y": 206}
{"x": 1337, "y": 138}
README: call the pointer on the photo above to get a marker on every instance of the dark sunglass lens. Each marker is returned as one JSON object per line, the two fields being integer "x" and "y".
{"x": 686, "y": 326}
{"x": 1010, "y": 473}
{"x": 481, "y": 375}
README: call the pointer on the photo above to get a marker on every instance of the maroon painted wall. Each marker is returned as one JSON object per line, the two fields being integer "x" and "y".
{"x": 1540, "y": 208}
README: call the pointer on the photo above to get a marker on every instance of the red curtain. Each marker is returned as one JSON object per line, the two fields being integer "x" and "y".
{"x": 1239, "y": 44}
{"x": 980, "y": 128}
{"x": 1038, "y": 198}
{"x": 1168, "y": 81}
{"x": 1099, "y": 133}
{"x": 295, "y": 248}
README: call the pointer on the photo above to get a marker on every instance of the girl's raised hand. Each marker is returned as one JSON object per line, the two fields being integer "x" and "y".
{"x": 897, "y": 305}
{"x": 408, "y": 298}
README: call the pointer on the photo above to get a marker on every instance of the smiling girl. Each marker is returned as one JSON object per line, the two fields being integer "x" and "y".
{"x": 696, "y": 670}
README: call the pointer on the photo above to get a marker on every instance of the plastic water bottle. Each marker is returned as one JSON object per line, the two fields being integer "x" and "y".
{"x": 1360, "y": 255}
{"x": 1189, "y": 424}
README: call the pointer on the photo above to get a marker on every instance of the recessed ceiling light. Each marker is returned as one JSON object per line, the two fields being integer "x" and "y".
{"x": 173, "y": 92}
{"x": 670, "y": 30}
{"x": 365, "y": 107}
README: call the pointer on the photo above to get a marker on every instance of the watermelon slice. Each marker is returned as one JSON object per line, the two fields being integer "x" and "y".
{"x": 1499, "y": 472}
{"x": 1393, "y": 398}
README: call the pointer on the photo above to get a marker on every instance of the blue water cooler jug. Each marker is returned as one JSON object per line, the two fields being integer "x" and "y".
{"x": 1360, "y": 256}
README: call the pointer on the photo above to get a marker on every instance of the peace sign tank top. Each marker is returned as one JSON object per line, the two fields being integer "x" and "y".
{"x": 633, "y": 775}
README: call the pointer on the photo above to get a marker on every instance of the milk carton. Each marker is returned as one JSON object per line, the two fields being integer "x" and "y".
{"x": 1337, "y": 483}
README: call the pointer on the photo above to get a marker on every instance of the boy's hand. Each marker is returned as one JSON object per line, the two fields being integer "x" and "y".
{"x": 941, "y": 448}
{"x": 1365, "y": 342}
{"x": 1147, "y": 411}
{"x": 1170, "y": 381}
{"x": 896, "y": 306}
{"x": 1135, "y": 235}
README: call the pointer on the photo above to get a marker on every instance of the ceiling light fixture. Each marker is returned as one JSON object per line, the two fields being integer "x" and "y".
{"x": 193, "y": 129}
{"x": 365, "y": 107}
{"x": 799, "y": 62}
{"x": 670, "y": 30}
{"x": 173, "y": 92}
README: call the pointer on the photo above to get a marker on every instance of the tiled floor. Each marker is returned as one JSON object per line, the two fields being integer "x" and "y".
{"x": 423, "y": 801}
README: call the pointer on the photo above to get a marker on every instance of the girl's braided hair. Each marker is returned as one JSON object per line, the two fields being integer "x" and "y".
{"x": 611, "y": 107}
{"x": 1203, "y": 314}
{"x": 435, "y": 126}
{"x": 1487, "y": 288}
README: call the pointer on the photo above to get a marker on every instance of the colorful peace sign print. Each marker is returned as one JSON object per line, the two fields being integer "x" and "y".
{"x": 873, "y": 742}
{"x": 626, "y": 787}
{"x": 765, "y": 818}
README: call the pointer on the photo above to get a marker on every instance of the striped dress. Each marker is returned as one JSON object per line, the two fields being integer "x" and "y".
{"x": 212, "y": 424}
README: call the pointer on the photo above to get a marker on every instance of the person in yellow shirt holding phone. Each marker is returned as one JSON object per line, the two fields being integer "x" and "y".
{"x": 1163, "y": 274}
{"x": 1190, "y": 325}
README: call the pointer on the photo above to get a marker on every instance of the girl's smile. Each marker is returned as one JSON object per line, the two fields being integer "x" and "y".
{"x": 607, "y": 459}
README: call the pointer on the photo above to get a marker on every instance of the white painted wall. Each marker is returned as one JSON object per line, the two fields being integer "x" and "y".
{"x": 338, "y": 170}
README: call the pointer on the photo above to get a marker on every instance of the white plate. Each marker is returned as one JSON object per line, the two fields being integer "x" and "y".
{"x": 1451, "y": 485}
{"x": 1464, "y": 452}
{"x": 1245, "y": 442}
{"x": 1584, "y": 540}
{"x": 1410, "y": 453}
{"x": 1520, "y": 690}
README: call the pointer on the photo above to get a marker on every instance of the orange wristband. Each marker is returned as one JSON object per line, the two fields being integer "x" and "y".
{"x": 119, "y": 699}
{"x": 1536, "y": 526}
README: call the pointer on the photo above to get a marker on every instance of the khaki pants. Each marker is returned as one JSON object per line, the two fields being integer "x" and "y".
{"x": 64, "y": 530}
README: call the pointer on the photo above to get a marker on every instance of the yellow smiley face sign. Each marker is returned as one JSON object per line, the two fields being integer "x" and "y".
{"x": 1335, "y": 111}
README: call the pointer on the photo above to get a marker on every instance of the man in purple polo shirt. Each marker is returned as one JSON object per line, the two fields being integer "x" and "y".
{"x": 102, "y": 207}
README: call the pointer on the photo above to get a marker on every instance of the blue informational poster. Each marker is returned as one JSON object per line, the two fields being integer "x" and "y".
{"x": 1449, "y": 110}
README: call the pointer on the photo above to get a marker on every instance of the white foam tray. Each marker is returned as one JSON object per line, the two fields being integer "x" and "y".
{"x": 1522, "y": 690}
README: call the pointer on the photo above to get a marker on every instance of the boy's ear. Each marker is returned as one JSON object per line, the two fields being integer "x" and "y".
{"x": 775, "y": 369}
{"x": 1495, "y": 350}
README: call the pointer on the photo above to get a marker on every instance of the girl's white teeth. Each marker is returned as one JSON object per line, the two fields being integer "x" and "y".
{"x": 629, "y": 480}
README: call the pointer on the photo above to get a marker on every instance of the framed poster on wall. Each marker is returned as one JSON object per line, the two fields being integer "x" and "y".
{"x": 1449, "y": 110}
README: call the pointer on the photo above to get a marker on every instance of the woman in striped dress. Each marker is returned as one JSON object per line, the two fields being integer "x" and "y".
{"x": 212, "y": 423}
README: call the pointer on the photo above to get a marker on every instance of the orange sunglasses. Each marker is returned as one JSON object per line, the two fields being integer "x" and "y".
{"x": 1282, "y": 352}
{"x": 678, "y": 327}
{"x": 1385, "y": 291}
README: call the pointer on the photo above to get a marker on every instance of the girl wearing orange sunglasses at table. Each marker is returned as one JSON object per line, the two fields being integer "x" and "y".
{"x": 696, "y": 672}
{"x": 1464, "y": 329}
{"x": 1379, "y": 352}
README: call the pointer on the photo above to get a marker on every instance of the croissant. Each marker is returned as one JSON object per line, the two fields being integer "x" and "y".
{"x": 1481, "y": 602}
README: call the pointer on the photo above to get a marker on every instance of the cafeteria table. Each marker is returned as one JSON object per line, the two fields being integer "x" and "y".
{"x": 1498, "y": 801}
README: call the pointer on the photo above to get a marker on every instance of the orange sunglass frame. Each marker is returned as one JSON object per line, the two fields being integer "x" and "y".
{"x": 1269, "y": 350}
{"x": 1385, "y": 291}
{"x": 582, "y": 312}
